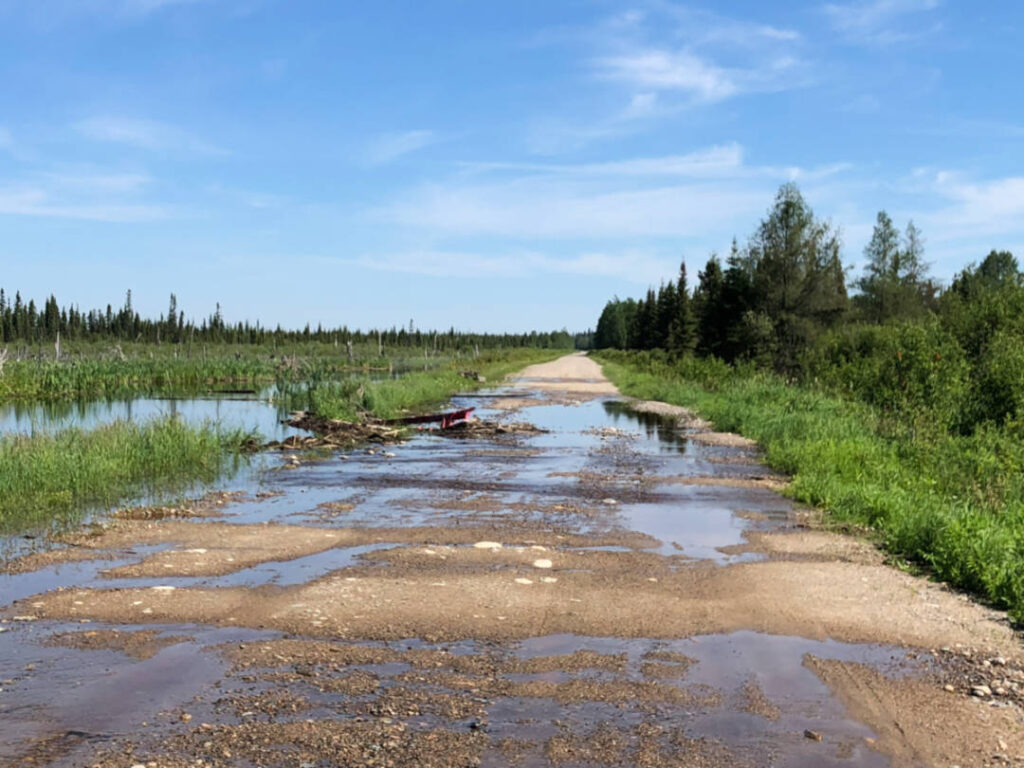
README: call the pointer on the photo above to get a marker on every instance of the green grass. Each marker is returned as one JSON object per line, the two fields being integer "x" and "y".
{"x": 952, "y": 504}
{"x": 49, "y": 481}
{"x": 97, "y": 371}
{"x": 420, "y": 391}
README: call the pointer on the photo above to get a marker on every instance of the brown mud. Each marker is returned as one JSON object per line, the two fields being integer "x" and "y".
{"x": 607, "y": 588}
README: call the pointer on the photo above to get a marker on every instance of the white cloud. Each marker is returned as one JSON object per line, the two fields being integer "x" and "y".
{"x": 640, "y": 267}
{"x": 989, "y": 207}
{"x": 112, "y": 183}
{"x": 149, "y": 6}
{"x": 87, "y": 196}
{"x": 37, "y": 202}
{"x": 878, "y": 22}
{"x": 680, "y": 196}
{"x": 716, "y": 161}
{"x": 390, "y": 146}
{"x": 6, "y": 140}
{"x": 665, "y": 70}
{"x": 143, "y": 134}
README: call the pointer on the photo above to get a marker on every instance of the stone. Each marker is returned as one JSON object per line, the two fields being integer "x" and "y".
{"x": 981, "y": 691}
{"x": 487, "y": 545}
{"x": 542, "y": 563}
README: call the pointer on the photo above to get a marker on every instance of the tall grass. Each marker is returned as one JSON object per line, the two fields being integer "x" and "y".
{"x": 356, "y": 398}
{"x": 94, "y": 371}
{"x": 50, "y": 480}
{"x": 954, "y": 504}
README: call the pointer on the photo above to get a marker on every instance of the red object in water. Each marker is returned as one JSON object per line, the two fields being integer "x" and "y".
{"x": 447, "y": 420}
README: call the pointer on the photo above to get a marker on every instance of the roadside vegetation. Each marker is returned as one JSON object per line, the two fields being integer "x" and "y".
{"x": 355, "y": 398}
{"x": 901, "y": 408}
{"x": 56, "y": 352}
{"x": 49, "y": 480}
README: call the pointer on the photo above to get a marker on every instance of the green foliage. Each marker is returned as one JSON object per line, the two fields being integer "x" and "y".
{"x": 50, "y": 480}
{"x": 894, "y": 284}
{"x": 952, "y": 503}
{"x": 778, "y": 293}
{"x": 915, "y": 374}
{"x": 353, "y": 399}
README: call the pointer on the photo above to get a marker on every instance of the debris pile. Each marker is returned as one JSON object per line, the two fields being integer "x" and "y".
{"x": 489, "y": 428}
{"x": 329, "y": 433}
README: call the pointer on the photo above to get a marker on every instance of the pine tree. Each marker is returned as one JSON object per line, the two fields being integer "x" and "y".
{"x": 682, "y": 336}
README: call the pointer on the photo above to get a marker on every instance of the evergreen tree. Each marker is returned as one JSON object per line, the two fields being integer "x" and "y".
{"x": 709, "y": 309}
{"x": 682, "y": 335}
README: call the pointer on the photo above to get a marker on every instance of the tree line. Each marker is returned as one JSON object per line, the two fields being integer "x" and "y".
{"x": 27, "y": 323}
{"x": 781, "y": 301}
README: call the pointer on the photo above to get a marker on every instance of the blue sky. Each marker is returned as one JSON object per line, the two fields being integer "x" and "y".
{"x": 484, "y": 165}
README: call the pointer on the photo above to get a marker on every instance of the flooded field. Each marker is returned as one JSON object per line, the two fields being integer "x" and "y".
{"x": 623, "y": 588}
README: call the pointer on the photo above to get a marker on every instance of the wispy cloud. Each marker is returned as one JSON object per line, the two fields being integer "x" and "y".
{"x": 663, "y": 59}
{"x": 39, "y": 202}
{"x": 388, "y": 147}
{"x": 149, "y": 6}
{"x": 705, "y": 56}
{"x": 675, "y": 196}
{"x": 143, "y": 134}
{"x": 881, "y": 22}
{"x": 717, "y": 161}
{"x": 81, "y": 195}
{"x": 669, "y": 70}
{"x": 978, "y": 207}
{"x": 633, "y": 266}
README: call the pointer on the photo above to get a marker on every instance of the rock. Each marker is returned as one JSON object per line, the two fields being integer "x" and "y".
{"x": 185, "y": 717}
{"x": 389, "y": 455}
{"x": 549, "y": 579}
{"x": 542, "y": 563}
{"x": 949, "y": 688}
{"x": 524, "y": 581}
{"x": 487, "y": 545}
{"x": 812, "y": 735}
{"x": 998, "y": 661}
{"x": 981, "y": 691}
{"x": 609, "y": 502}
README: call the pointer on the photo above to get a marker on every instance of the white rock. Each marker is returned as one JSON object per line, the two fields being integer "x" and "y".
{"x": 163, "y": 588}
{"x": 524, "y": 581}
{"x": 542, "y": 563}
{"x": 609, "y": 502}
{"x": 487, "y": 545}
{"x": 549, "y": 579}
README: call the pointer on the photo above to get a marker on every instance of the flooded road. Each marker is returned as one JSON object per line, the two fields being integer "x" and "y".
{"x": 624, "y": 588}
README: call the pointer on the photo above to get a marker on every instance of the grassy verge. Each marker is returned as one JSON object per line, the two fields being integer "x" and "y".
{"x": 48, "y": 481}
{"x": 952, "y": 504}
{"x": 420, "y": 391}
{"x": 78, "y": 378}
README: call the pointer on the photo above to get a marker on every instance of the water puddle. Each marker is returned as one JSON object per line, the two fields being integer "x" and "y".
{"x": 600, "y": 469}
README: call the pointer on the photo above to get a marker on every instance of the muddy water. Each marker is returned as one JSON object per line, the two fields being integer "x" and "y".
{"x": 736, "y": 699}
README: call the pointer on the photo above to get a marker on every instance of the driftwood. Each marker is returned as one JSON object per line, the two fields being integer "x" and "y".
{"x": 487, "y": 428}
